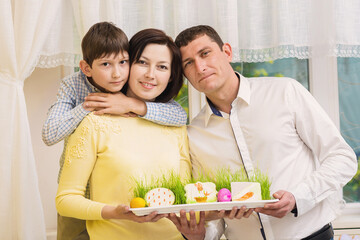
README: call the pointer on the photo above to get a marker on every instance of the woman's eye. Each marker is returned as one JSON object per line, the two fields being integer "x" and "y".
{"x": 141, "y": 62}
{"x": 123, "y": 61}
{"x": 163, "y": 67}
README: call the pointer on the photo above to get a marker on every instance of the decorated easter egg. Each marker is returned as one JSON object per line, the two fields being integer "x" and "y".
{"x": 224, "y": 195}
{"x": 137, "y": 203}
{"x": 159, "y": 197}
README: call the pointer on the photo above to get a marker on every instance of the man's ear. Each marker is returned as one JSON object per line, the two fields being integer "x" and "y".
{"x": 85, "y": 68}
{"x": 228, "y": 51}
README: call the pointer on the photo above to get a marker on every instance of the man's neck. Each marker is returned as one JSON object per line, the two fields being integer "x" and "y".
{"x": 223, "y": 98}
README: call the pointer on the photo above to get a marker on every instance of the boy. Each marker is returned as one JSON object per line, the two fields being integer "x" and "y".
{"x": 104, "y": 68}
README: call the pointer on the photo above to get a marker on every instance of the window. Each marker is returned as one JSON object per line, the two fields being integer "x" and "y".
{"x": 349, "y": 111}
{"x": 182, "y": 98}
{"x": 288, "y": 67}
{"x": 322, "y": 89}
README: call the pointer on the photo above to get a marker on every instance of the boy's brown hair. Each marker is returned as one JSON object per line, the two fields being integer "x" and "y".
{"x": 190, "y": 34}
{"x": 103, "y": 39}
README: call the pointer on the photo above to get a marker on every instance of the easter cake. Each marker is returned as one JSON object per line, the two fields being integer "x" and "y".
{"x": 245, "y": 191}
{"x": 200, "y": 192}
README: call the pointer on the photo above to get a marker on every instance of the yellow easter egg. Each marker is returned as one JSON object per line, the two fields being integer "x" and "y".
{"x": 137, "y": 203}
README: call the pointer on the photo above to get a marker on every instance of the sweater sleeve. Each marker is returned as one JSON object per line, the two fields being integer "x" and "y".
{"x": 80, "y": 158}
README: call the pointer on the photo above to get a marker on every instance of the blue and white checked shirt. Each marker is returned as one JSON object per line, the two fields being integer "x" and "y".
{"x": 67, "y": 112}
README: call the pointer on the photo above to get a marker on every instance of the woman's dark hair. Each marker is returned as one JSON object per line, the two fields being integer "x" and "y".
{"x": 155, "y": 36}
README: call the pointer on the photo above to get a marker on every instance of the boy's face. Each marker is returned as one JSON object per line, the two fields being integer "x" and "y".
{"x": 205, "y": 65}
{"x": 110, "y": 72}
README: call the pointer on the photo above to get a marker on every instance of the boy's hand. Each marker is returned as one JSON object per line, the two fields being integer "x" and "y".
{"x": 114, "y": 103}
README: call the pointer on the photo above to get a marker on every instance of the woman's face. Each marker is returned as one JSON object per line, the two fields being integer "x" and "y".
{"x": 150, "y": 75}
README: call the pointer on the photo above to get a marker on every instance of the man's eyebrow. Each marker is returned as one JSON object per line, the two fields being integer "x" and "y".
{"x": 187, "y": 59}
{"x": 198, "y": 52}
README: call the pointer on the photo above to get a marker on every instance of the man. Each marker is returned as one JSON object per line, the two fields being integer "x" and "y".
{"x": 273, "y": 124}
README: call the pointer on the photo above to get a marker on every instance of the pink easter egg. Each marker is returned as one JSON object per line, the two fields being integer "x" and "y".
{"x": 224, "y": 195}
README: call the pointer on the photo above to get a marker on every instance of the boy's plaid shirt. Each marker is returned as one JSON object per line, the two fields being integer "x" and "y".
{"x": 67, "y": 112}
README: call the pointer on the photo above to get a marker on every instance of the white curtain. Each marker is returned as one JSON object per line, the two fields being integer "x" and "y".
{"x": 24, "y": 28}
{"x": 47, "y": 33}
{"x": 258, "y": 30}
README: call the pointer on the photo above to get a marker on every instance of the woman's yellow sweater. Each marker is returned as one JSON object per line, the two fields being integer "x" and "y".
{"x": 109, "y": 152}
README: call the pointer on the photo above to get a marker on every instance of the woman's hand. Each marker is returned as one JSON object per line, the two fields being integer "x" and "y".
{"x": 122, "y": 212}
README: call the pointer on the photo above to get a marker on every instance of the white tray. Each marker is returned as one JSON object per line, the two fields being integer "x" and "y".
{"x": 200, "y": 207}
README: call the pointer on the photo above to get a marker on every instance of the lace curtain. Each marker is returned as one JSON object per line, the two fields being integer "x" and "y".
{"x": 258, "y": 31}
{"x": 48, "y": 33}
{"x": 24, "y": 28}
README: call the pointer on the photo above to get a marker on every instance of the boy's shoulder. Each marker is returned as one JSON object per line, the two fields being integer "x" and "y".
{"x": 75, "y": 77}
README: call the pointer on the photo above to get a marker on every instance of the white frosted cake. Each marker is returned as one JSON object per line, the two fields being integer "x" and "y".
{"x": 246, "y": 191}
{"x": 201, "y": 192}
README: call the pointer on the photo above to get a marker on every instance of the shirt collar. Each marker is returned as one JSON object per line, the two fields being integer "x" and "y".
{"x": 92, "y": 87}
{"x": 244, "y": 93}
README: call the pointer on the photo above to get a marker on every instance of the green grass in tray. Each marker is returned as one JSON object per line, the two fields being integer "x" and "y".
{"x": 265, "y": 183}
{"x": 225, "y": 176}
{"x": 170, "y": 181}
{"x": 222, "y": 179}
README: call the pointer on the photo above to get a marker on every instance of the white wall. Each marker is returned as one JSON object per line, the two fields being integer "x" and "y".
{"x": 40, "y": 92}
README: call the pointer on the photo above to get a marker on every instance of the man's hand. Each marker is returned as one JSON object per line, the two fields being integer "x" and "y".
{"x": 279, "y": 209}
{"x": 114, "y": 103}
{"x": 190, "y": 229}
{"x": 122, "y": 212}
{"x": 235, "y": 213}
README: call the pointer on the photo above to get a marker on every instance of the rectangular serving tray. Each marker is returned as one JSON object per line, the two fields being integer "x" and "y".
{"x": 217, "y": 206}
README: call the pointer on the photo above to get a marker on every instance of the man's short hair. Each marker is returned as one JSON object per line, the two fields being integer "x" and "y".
{"x": 103, "y": 39}
{"x": 190, "y": 34}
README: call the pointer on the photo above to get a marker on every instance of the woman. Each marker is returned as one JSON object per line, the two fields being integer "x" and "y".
{"x": 110, "y": 151}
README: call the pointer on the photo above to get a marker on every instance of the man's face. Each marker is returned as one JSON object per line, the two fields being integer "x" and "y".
{"x": 205, "y": 65}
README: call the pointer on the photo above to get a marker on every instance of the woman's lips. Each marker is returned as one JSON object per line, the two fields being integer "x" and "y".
{"x": 147, "y": 85}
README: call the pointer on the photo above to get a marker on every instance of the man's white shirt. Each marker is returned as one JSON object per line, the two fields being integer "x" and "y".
{"x": 280, "y": 129}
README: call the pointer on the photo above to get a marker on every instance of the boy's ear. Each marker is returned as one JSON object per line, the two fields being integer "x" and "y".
{"x": 85, "y": 68}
